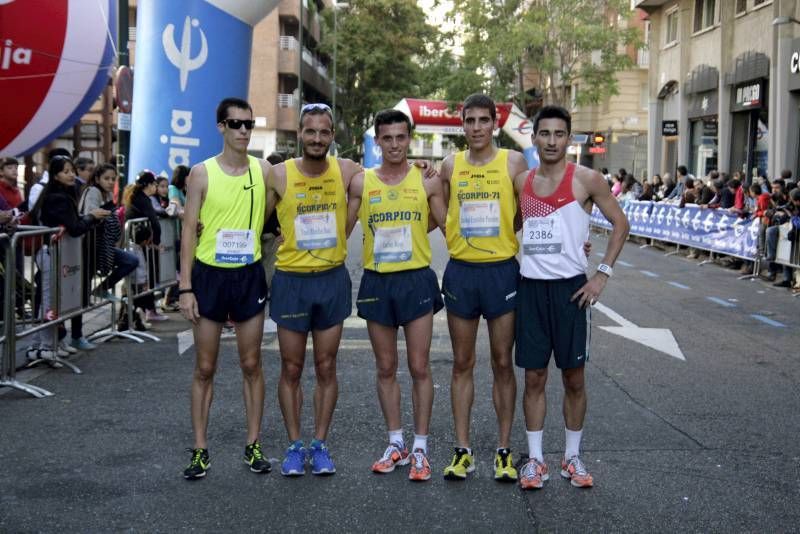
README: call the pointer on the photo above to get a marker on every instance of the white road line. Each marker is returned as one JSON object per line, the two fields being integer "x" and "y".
{"x": 679, "y": 286}
{"x": 721, "y": 302}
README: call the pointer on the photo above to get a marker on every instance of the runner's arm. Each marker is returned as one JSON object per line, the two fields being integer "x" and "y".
{"x": 519, "y": 183}
{"x": 438, "y": 209}
{"x": 599, "y": 193}
{"x": 196, "y": 186}
{"x": 354, "y": 193}
{"x": 445, "y": 174}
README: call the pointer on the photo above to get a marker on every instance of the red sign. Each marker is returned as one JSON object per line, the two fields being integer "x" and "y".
{"x": 597, "y": 150}
{"x": 439, "y": 113}
{"x": 55, "y": 57}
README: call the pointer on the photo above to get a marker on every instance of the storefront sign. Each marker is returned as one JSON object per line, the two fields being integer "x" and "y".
{"x": 669, "y": 128}
{"x": 703, "y": 105}
{"x": 794, "y": 66}
{"x": 749, "y": 95}
{"x": 710, "y": 128}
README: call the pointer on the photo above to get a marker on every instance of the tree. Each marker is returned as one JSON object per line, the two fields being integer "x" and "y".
{"x": 384, "y": 51}
{"x": 554, "y": 44}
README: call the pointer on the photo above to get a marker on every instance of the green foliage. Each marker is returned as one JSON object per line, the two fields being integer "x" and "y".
{"x": 559, "y": 42}
{"x": 384, "y": 52}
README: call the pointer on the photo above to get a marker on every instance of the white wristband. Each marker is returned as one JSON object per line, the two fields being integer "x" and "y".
{"x": 605, "y": 269}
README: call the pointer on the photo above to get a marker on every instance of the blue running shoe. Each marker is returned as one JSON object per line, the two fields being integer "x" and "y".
{"x": 320, "y": 459}
{"x": 294, "y": 463}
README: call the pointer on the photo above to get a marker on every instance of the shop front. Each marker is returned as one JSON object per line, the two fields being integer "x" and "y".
{"x": 749, "y": 115}
{"x": 701, "y": 89}
{"x": 792, "y": 109}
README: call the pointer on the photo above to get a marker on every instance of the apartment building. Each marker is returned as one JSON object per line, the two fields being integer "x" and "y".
{"x": 724, "y": 85}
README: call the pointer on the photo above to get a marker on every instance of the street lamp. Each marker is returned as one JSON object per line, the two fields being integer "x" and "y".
{"x": 783, "y": 19}
{"x": 336, "y": 6}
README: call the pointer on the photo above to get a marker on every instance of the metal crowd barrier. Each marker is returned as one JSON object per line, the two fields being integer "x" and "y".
{"x": 788, "y": 253}
{"x": 160, "y": 265}
{"x": 63, "y": 290}
{"x": 716, "y": 231}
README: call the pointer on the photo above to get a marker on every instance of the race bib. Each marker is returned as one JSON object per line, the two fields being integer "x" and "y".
{"x": 235, "y": 246}
{"x": 315, "y": 230}
{"x": 392, "y": 245}
{"x": 542, "y": 235}
{"x": 480, "y": 218}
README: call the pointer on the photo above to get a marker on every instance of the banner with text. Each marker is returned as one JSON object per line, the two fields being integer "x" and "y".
{"x": 717, "y": 230}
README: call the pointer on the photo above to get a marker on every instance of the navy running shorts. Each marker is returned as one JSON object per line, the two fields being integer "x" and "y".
{"x": 548, "y": 323}
{"x": 237, "y": 293}
{"x": 474, "y": 289}
{"x": 311, "y": 301}
{"x": 395, "y": 299}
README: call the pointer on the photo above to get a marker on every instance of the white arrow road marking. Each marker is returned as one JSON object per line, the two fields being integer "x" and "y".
{"x": 660, "y": 339}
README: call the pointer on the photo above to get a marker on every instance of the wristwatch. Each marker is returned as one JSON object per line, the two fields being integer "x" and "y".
{"x": 605, "y": 269}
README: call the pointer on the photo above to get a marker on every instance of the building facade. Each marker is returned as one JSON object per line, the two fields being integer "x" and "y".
{"x": 620, "y": 119}
{"x": 724, "y": 86}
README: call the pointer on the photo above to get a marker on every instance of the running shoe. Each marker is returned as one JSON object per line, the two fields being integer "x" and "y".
{"x": 420, "y": 468}
{"x": 255, "y": 458}
{"x": 576, "y": 472}
{"x": 392, "y": 457}
{"x": 504, "y": 466}
{"x": 294, "y": 463}
{"x": 198, "y": 466}
{"x": 462, "y": 464}
{"x": 533, "y": 475}
{"x": 320, "y": 459}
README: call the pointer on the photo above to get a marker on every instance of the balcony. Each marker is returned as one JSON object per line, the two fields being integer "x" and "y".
{"x": 287, "y": 57}
{"x": 643, "y": 58}
{"x": 287, "y": 112}
{"x": 291, "y": 9}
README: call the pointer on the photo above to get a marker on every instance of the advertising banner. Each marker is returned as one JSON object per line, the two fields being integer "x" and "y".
{"x": 189, "y": 56}
{"x": 55, "y": 58}
{"x": 716, "y": 230}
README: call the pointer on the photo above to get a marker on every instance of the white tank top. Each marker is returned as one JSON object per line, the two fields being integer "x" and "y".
{"x": 554, "y": 229}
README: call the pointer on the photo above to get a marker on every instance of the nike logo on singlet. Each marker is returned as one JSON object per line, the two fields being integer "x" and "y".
{"x": 249, "y": 187}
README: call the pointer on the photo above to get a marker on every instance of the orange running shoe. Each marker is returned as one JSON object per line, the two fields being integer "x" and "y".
{"x": 533, "y": 474}
{"x": 576, "y": 472}
{"x": 420, "y": 468}
{"x": 392, "y": 457}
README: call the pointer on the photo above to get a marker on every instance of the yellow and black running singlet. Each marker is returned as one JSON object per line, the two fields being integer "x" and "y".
{"x": 312, "y": 215}
{"x": 232, "y": 215}
{"x": 480, "y": 214}
{"x": 394, "y": 219}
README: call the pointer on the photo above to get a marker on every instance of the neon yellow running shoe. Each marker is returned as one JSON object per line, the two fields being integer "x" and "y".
{"x": 462, "y": 464}
{"x": 504, "y": 466}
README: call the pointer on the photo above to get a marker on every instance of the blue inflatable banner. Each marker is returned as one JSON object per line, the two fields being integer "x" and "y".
{"x": 717, "y": 230}
{"x": 189, "y": 56}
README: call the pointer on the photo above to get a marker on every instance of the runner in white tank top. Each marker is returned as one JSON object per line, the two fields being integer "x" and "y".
{"x": 555, "y": 202}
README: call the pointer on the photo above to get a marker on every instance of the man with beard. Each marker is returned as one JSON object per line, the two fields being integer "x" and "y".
{"x": 311, "y": 290}
{"x": 556, "y": 201}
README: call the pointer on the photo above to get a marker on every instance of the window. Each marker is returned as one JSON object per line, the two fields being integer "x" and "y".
{"x": 741, "y": 6}
{"x": 672, "y": 26}
{"x": 704, "y": 14}
{"x": 758, "y": 2}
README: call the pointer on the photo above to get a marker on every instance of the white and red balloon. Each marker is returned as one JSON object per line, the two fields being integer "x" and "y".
{"x": 55, "y": 58}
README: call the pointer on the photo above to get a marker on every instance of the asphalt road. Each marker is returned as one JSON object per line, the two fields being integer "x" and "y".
{"x": 704, "y": 444}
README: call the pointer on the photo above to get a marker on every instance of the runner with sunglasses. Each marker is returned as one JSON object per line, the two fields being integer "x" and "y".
{"x": 481, "y": 277}
{"x": 311, "y": 289}
{"x": 223, "y": 277}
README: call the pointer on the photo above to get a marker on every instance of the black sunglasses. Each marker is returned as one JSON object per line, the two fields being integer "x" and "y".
{"x": 235, "y": 124}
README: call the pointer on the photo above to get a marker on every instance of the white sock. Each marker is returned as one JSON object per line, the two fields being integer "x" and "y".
{"x": 420, "y": 442}
{"x": 396, "y": 436}
{"x": 535, "y": 444}
{"x": 573, "y": 447}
